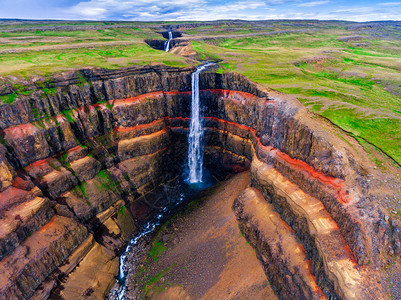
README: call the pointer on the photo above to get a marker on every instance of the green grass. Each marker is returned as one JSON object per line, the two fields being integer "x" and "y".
{"x": 354, "y": 86}
{"x": 68, "y": 116}
{"x": 385, "y": 133}
{"x": 122, "y": 210}
{"x": 333, "y": 78}
{"x": 55, "y": 61}
{"x": 73, "y": 49}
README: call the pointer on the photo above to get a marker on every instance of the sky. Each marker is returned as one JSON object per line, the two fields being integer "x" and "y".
{"x": 180, "y": 10}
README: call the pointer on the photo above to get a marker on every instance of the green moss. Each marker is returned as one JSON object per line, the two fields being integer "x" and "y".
{"x": 17, "y": 89}
{"x": 81, "y": 80}
{"x": 80, "y": 190}
{"x": 108, "y": 183}
{"x": 63, "y": 159}
{"x": 20, "y": 89}
{"x": 68, "y": 115}
{"x": 155, "y": 283}
{"x": 122, "y": 210}
{"x": 49, "y": 91}
{"x": 10, "y": 98}
{"x": 157, "y": 248}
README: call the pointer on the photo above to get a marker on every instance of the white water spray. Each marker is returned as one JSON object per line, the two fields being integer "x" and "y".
{"x": 195, "y": 149}
{"x": 167, "y": 43}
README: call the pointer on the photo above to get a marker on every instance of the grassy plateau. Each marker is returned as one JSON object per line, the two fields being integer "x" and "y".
{"x": 349, "y": 73}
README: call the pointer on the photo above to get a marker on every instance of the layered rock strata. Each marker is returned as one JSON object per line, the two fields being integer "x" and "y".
{"x": 277, "y": 247}
{"x": 80, "y": 153}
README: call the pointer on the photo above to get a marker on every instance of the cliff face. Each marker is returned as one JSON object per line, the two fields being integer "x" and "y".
{"x": 81, "y": 151}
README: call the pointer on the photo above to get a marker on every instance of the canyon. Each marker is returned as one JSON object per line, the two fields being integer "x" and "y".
{"x": 82, "y": 151}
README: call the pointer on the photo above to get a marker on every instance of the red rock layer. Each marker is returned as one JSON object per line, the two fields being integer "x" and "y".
{"x": 76, "y": 153}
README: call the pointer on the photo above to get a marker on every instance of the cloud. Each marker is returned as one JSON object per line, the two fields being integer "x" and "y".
{"x": 143, "y": 9}
{"x": 92, "y": 12}
{"x": 390, "y": 3}
{"x": 179, "y": 10}
{"x": 313, "y": 3}
{"x": 154, "y": 10}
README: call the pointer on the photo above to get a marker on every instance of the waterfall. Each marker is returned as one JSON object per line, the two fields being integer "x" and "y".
{"x": 167, "y": 43}
{"x": 195, "y": 149}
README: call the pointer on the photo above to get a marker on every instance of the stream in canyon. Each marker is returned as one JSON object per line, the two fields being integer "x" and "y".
{"x": 199, "y": 254}
{"x": 193, "y": 181}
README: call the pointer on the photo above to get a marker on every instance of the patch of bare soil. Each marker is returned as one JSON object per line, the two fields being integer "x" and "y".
{"x": 184, "y": 50}
{"x": 203, "y": 255}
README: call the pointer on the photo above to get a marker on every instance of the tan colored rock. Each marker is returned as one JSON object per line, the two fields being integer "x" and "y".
{"x": 108, "y": 213}
{"x": 85, "y": 168}
{"x": 90, "y": 198}
{"x": 96, "y": 273}
{"x": 20, "y": 221}
{"x": 93, "y": 277}
{"x": 13, "y": 196}
{"x": 40, "y": 254}
{"x": 6, "y": 177}
{"x": 283, "y": 257}
{"x": 94, "y": 265}
{"x": 309, "y": 218}
{"x": 144, "y": 169}
{"x": 51, "y": 282}
{"x": 7, "y": 171}
{"x": 116, "y": 230}
{"x": 58, "y": 181}
{"x": 143, "y": 145}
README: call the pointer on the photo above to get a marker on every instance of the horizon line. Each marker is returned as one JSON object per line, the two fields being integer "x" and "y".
{"x": 184, "y": 21}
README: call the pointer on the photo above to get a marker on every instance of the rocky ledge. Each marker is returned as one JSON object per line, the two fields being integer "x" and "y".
{"x": 80, "y": 153}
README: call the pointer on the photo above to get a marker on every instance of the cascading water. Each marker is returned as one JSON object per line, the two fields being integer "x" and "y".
{"x": 162, "y": 215}
{"x": 195, "y": 149}
{"x": 195, "y": 165}
{"x": 167, "y": 43}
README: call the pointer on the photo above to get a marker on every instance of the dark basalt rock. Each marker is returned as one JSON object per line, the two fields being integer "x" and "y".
{"x": 96, "y": 145}
{"x": 175, "y": 34}
{"x": 159, "y": 44}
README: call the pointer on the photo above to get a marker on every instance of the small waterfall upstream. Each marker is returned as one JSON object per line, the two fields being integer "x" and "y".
{"x": 167, "y": 43}
{"x": 195, "y": 146}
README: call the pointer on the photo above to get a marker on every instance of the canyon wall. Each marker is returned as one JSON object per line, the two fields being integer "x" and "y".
{"x": 80, "y": 153}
